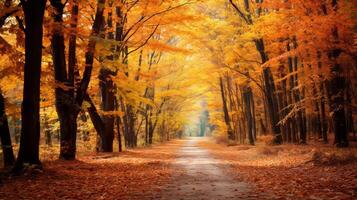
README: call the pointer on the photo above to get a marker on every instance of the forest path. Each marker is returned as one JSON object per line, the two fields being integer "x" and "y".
{"x": 180, "y": 169}
{"x": 200, "y": 176}
{"x": 188, "y": 169}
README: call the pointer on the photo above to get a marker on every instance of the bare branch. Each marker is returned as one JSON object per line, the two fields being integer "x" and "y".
{"x": 247, "y": 76}
{"x": 146, "y": 41}
{"x": 142, "y": 20}
{"x": 240, "y": 13}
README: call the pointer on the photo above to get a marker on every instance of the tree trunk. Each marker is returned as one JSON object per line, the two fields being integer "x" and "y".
{"x": 232, "y": 106}
{"x": 323, "y": 114}
{"x": 130, "y": 127}
{"x": 336, "y": 90}
{"x": 318, "y": 123}
{"x": 73, "y": 72}
{"x": 225, "y": 111}
{"x": 107, "y": 89}
{"x": 68, "y": 103}
{"x": 146, "y": 126}
{"x": 335, "y": 93}
{"x": 151, "y": 132}
{"x": 67, "y": 108}
{"x": 253, "y": 117}
{"x": 65, "y": 105}
{"x": 5, "y": 137}
{"x": 288, "y": 123}
{"x": 322, "y": 87}
{"x": 48, "y": 135}
{"x": 68, "y": 132}
{"x": 119, "y": 125}
{"x": 281, "y": 91}
{"x": 247, "y": 96}
{"x": 270, "y": 95}
{"x": 349, "y": 109}
{"x": 120, "y": 143}
{"x": 291, "y": 98}
{"x": 151, "y": 129}
{"x": 30, "y": 132}
{"x": 298, "y": 96}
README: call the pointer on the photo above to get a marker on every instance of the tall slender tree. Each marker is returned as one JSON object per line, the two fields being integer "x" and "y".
{"x": 336, "y": 90}
{"x": 5, "y": 138}
{"x": 30, "y": 113}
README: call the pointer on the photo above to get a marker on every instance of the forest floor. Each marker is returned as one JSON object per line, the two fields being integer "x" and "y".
{"x": 195, "y": 168}
{"x": 133, "y": 174}
{"x": 316, "y": 172}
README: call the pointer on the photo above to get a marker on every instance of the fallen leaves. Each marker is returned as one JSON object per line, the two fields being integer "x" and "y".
{"x": 135, "y": 174}
{"x": 282, "y": 172}
{"x": 285, "y": 172}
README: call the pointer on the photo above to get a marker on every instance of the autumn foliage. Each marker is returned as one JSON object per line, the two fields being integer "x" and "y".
{"x": 82, "y": 76}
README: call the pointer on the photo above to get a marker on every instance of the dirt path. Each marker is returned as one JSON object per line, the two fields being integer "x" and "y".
{"x": 200, "y": 176}
{"x": 180, "y": 169}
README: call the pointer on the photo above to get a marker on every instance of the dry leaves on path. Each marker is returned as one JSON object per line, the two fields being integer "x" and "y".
{"x": 288, "y": 171}
{"x": 135, "y": 174}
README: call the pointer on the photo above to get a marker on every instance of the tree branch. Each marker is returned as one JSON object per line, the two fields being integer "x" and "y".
{"x": 94, "y": 116}
{"x": 143, "y": 19}
{"x": 146, "y": 41}
{"x": 240, "y": 13}
{"x": 247, "y": 76}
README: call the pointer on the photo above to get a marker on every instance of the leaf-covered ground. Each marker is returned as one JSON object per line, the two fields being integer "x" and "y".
{"x": 135, "y": 174}
{"x": 183, "y": 170}
{"x": 203, "y": 177}
{"x": 292, "y": 171}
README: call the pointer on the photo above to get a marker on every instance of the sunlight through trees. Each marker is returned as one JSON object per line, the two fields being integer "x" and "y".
{"x": 109, "y": 75}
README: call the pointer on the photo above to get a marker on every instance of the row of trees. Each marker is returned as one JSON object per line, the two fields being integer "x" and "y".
{"x": 127, "y": 45}
{"x": 279, "y": 67}
{"x": 284, "y": 67}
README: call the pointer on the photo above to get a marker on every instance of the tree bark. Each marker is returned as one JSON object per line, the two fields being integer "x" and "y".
{"x": 107, "y": 89}
{"x": 323, "y": 114}
{"x": 322, "y": 101}
{"x": 30, "y": 132}
{"x": 335, "y": 94}
{"x": 247, "y": 96}
{"x": 119, "y": 126}
{"x": 269, "y": 87}
{"x": 5, "y": 137}
{"x": 225, "y": 111}
{"x": 73, "y": 73}
{"x": 336, "y": 90}
{"x": 291, "y": 97}
{"x": 298, "y": 96}
{"x": 66, "y": 108}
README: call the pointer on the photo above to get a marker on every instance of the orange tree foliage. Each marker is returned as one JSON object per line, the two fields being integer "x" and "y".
{"x": 173, "y": 53}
